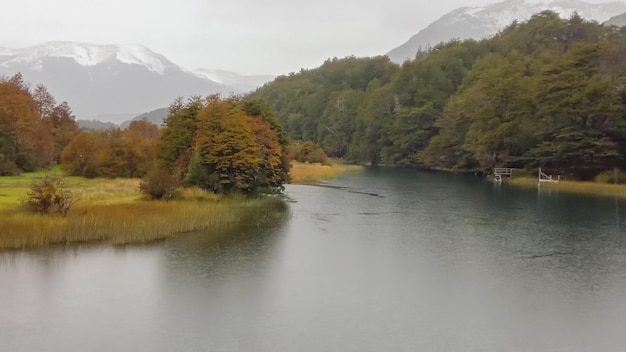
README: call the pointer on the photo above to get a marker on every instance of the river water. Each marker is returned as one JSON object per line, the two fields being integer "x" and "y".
{"x": 382, "y": 260}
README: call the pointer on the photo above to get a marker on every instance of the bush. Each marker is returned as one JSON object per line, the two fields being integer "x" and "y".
{"x": 611, "y": 176}
{"x": 159, "y": 184}
{"x": 48, "y": 195}
{"x": 8, "y": 168}
{"x": 25, "y": 162}
{"x": 308, "y": 152}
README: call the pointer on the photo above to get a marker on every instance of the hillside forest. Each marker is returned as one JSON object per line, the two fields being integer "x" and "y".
{"x": 548, "y": 92}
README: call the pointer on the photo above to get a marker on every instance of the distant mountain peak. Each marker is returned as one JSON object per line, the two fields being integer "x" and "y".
{"x": 101, "y": 80}
{"x": 89, "y": 54}
{"x": 479, "y": 22}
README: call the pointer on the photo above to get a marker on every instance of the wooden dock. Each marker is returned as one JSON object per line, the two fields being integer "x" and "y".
{"x": 500, "y": 172}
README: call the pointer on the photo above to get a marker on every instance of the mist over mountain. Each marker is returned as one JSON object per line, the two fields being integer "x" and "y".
{"x": 112, "y": 82}
{"x": 484, "y": 21}
{"x": 619, "y": 20}
{"x": 155, "y": 116}
{"x": 243, "y": 83}
{"x": 95, "y": 125}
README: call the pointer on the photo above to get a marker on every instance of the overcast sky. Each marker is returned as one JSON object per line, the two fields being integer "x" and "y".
{"x": 245, "y": 36}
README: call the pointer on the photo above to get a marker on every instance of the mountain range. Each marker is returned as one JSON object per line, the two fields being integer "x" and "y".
{"x": 484, "y": 21}
{"x": 117, "y": 82}
{"x": 114, "y": 82}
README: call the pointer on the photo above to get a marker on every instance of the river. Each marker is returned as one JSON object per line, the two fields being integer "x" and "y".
{"x": 381, "y": 260}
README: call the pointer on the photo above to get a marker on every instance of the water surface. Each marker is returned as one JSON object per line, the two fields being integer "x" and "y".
{"x": 383, "y": 260}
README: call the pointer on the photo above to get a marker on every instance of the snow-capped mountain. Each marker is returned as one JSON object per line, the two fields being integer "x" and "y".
{"x": 89, "y": 55}
{"x": 484, "y": 21}
{"x": 243, "y": 83}
{"x": 106, "y": 79}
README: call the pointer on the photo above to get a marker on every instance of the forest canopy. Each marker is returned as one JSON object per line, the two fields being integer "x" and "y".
{"x": 224, "y": 145}
{"x": 548, "y": 92}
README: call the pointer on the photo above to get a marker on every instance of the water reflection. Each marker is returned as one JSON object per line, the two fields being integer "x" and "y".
{"x": 381, "y": 260}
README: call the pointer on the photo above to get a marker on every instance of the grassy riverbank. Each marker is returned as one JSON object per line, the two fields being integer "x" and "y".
{"x": 304, "y": 173}
{"x": 573, "y": 186}
{"x": 114, "y": 211}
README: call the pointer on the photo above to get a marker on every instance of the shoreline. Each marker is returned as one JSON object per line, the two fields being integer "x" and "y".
{"x": 305, "y": 173}
{"x": 580, "y": 187}
{"x": 114, "y": 211}
{"x": 137, "y": 222}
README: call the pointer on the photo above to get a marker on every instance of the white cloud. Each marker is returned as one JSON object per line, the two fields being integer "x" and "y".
{"x": 245, "y": 36}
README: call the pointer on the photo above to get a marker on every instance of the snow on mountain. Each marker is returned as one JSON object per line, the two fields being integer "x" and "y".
{"x": 502, "y": 14}
{"x": 241, "y": 82}
{"x": 215, "y": 75}
{"x": 88, "y": 55}
{"x": 106, "y": 80}
{"x": 484, "y": 21}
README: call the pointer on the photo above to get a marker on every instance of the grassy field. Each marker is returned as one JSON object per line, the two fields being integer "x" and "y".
{"x": 114, "y": 211}
{"x": 302, "y": 173}
{"x": 573, "y": 186}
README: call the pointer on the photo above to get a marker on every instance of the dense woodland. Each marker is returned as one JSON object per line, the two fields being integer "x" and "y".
{"x": 34, "y": 130}
{"x": 548, "y": 92}
{"x": 222, "y": 145}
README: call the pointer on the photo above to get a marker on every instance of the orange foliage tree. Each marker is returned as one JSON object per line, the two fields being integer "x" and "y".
{"x": 142, "y": 137}
{"x": 79, "y": 158}
{"x": 112, "y": 152}
{"x": 25, "y": 138}
{"x": 230, "y": 149}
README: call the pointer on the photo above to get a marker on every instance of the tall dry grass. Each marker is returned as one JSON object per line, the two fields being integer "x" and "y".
{"x": 115, "y": 211}
{"x": 574, "y": 186}
{"x": 302, "y": 173}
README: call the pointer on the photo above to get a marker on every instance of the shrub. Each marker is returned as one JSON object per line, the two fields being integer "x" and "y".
{"x": 8, "y": 168}
{"x": 159, "y": 184}
{"x": 198, "y": 173}
{"x": 611, "y": 176}
{"x": 48, "y": 195}
{"x": 308, "y": 152}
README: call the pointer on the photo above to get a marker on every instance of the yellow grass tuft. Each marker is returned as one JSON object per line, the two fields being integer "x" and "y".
{"x": 574, "y": 186}
{"x": 115, "y": 211}
{"x": 302, "y": 173}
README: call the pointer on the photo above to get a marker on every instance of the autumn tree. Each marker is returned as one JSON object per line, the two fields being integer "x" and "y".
{"x": 174, "y": 149}
{"x": 234, "y": 145}
{"x": 142, "y": 137}
{"x": 80, "y": 156}
{"x": 259, "y": 108}
{"x": 227, "y": 145}
{"x": 24, "y": 139}
{"x": 112, "y": 152}
{"x": 62, "y": 126}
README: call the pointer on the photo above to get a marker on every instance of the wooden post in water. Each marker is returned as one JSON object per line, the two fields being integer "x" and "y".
{"x": 547, "y": 178}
